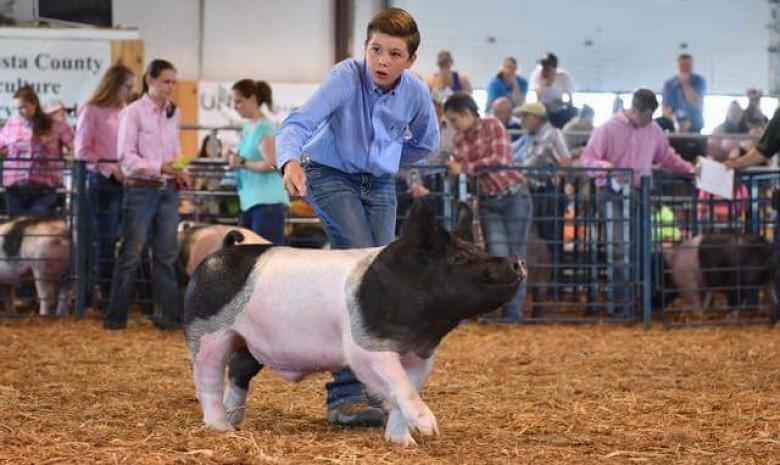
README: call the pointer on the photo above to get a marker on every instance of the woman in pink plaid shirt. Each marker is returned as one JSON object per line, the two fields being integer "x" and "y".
{"x": 33, "y": 145}
{"x": 482, "y": 149}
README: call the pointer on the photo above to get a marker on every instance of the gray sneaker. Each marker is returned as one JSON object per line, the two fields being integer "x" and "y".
{"x": 357, "y": 413}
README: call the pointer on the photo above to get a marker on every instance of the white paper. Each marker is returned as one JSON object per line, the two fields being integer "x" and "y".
{"x": 713, "y": 177}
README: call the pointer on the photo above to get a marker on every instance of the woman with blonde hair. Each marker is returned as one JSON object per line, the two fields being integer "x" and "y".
{"x": 96, "y": 144}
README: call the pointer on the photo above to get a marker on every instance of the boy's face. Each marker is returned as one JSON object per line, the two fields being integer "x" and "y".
{"x": 387, "y": 57}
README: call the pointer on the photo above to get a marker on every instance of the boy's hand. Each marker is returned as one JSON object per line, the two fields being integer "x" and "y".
{"x": 294, "y": 178}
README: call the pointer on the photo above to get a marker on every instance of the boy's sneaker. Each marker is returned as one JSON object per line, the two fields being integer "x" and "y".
{"x": 358, "y": 413}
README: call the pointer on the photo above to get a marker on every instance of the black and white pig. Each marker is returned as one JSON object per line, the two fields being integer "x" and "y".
{"x": 39, "y": 246}
{"x": 720, "y": 262}
{"x": 380, "y": 311}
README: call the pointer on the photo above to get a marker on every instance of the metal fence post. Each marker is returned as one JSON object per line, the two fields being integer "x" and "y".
{"x": 82, "y": 237}
{"x": 646, "y": 248}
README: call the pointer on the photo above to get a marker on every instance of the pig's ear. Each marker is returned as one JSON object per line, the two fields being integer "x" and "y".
{"x": 464, "y": 227}
{"x": 421, "y": 228}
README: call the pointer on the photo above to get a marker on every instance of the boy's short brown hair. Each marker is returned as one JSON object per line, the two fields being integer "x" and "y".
{"x": 397, "y": 23}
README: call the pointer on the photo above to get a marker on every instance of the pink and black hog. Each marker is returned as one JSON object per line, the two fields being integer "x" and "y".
{"x": 720, "y": 262}
{"x": 197, "y": 241}
{"x": 380, "y": 311}
{"x": 37, "y": 246}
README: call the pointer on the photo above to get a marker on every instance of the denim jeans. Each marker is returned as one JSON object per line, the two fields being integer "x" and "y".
{"x": 266, "y": 220}
{"x": 154, "y": 214}
{"x": 619, "y": 250}
{"x": 105, "y": 202}
{"x": 506, "y": 224}
{"x": 30, "y": 200}
{"x": 356, "y": 210}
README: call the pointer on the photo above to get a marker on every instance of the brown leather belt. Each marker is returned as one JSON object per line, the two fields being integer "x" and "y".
{"x": 158, "y": 184}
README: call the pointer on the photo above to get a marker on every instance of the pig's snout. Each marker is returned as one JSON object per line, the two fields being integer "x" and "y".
{"x": 519, "y": 268}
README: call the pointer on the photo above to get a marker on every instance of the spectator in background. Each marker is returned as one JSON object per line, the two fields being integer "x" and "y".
{"x": 96, "y": 144}
{"x": 583, "y": 122}
{"x": 505, "y": 206}
{"x": 684, "y": 93}
{"x": 502, "y": 111}
{"x": 666, "y": 119}
{"x": 57, "y": 110}
{"x": 553, "y": 87}
{"x": 428, "y": 176}
{"x": 507, "y": 83}
{"x": 628, "y": 140}
{"x": 446, "y": 81}
{"x": 617, "y": 104}
{"x": 575, "y": 130}
{"x": 34, "y": 145}
{"x": 261, "y": 193}
{"x": 754, "y": 116}
{"x": 722, "y": 148}
{"x": 147, "y": 149}
{"x": 543, "y": 149}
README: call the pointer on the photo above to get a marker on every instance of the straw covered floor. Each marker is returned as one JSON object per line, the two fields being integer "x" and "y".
{"x": 71, "y": 393}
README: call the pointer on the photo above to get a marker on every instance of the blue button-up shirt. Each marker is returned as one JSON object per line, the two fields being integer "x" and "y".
{"x": 674, "y": 97}
{"x": 352, "y": 125}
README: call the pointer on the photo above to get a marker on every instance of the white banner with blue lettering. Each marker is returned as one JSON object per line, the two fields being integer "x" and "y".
{"x": 62, "y": 69}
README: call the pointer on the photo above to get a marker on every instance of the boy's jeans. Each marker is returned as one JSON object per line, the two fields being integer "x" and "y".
{"x": 357, "y": 211}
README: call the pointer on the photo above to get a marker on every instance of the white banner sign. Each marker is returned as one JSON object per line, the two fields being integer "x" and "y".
{"x": 62, "y": 69}
{"x": 217, "y": 109}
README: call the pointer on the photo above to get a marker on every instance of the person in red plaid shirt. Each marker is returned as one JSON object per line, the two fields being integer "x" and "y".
{"x": 482, "y": 149}
{"x": 33, "y": 144}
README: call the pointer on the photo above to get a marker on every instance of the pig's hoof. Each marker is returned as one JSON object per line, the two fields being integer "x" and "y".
{"x": 403, "y": 438}
{"x": 220, "y": 426}
{"x": 236, "y": 416}
{"x": 425, "y": 423}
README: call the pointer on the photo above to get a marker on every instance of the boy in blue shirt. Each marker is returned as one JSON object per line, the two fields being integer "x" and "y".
{"x": 369, "y": 117}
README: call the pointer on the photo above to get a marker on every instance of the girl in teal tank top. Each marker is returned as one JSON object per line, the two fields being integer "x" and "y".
{"x": 262, "y": 198}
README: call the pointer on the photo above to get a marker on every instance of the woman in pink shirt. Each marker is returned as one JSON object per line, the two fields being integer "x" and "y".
{"x": 96, "y": 133}
{"x": 33, "y": 145}
{"x": 147, "y": 147}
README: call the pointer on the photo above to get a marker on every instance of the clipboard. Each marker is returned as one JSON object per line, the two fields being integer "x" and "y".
{"x": 714, "y": 178}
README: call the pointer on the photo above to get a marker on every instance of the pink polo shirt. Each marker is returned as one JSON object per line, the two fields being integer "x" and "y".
{"x": 146, "y": 139}
{"x": 619, "y": 144}
{"x": 34, "y": 160}
{"x": 96, "y": 137}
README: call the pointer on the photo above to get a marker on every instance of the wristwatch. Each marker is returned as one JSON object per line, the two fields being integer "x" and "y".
{"x": 241, "y": 161}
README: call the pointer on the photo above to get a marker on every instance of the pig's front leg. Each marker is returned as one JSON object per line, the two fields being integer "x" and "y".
{"x": 209, "y": 373}
{"x": 383, "y": 372}
{"x": 418, "y": 369}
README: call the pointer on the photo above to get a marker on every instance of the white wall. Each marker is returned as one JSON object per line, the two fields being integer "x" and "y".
{"x": 288, "y": 41}
{"x": 633, "y": 43}
{"x": 169, "y": 28}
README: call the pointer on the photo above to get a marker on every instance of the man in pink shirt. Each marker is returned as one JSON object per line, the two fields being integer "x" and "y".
{"x": 148, "y": 144}
{"x": 630, "y": 140}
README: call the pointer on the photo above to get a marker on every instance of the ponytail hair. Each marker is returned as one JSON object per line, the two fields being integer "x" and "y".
{"x": 41, "y": 122}
{"x": 260, "y": 89}
{"x": 155, "y": 68}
